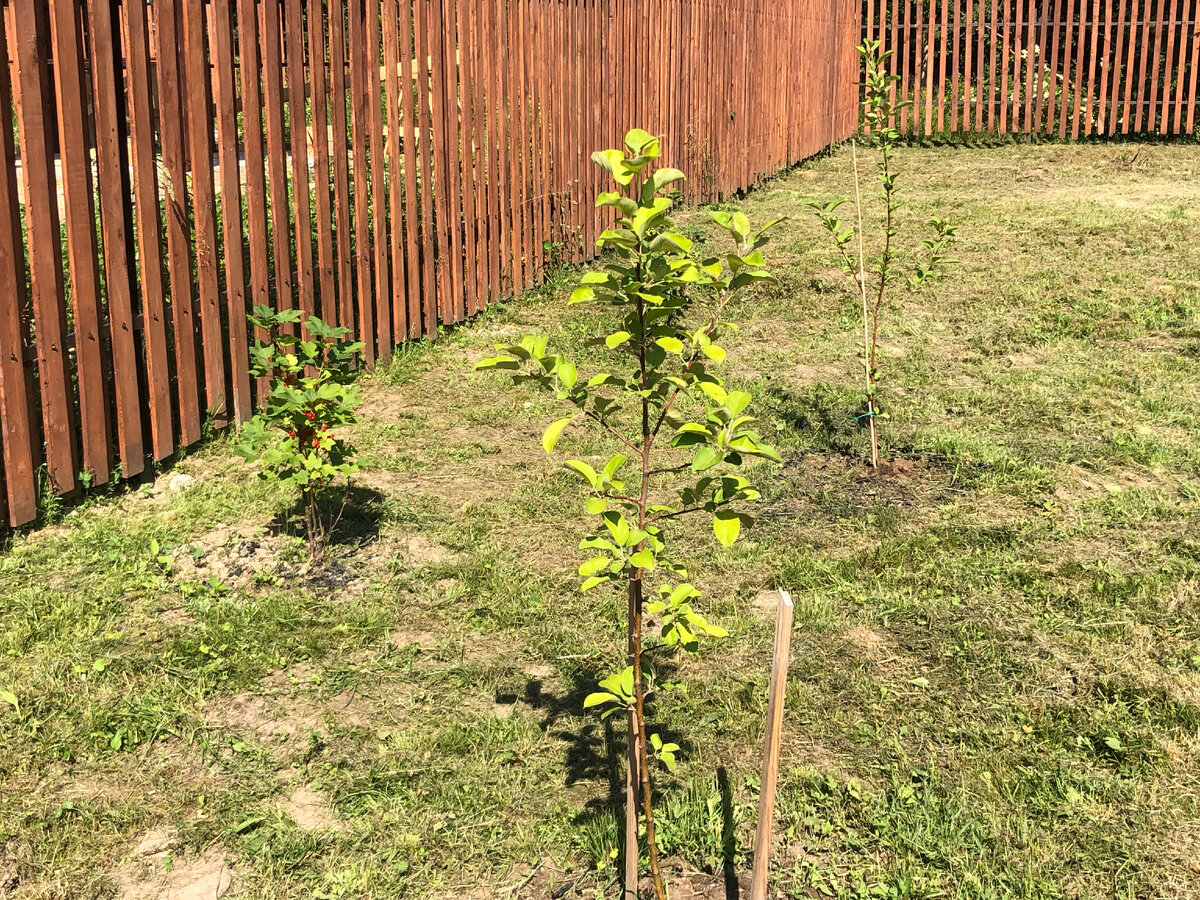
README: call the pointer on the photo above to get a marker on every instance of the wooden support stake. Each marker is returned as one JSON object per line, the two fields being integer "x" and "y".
{"x": 770, "y": 771}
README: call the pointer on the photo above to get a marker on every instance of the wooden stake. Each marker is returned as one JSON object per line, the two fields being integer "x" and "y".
{"x": 770, "y": 772}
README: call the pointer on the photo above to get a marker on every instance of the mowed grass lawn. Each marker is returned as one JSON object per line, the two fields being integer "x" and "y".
{"x": 995, "y": 675}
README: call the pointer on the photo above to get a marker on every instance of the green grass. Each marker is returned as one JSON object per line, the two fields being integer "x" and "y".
{"x": 995, "y": 683}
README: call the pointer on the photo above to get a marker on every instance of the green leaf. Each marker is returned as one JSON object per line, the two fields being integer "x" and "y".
{"x": 643, "y": 559}
{"x": 550, "y": 436}
{"x": 592, "y": 582}
{"x": 616, "y": 339}
{"x": 11, "y": 699}
{"x": 583, "y": 469}
{"x": 670, "y": 344}
{"x": 706, "y": 457}
{"x": 726, "y": 525}
{"x": 664, "y": 176}
{"x": 736, "y": 401}
{"x": 582, "y": 295}
{"x": 497, "y": 362}
{"x": 594, "y": 565}
{"x": 715, "y": 391}
{"x": 599, "y": 697}
{"x": 713, "y": 352}
{"x": 595, "y": 505}
{"x": 613, "y": 162}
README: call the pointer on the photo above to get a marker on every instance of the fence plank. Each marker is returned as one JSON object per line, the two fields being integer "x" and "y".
{"x": 360, "y": 103}
{"x": 428, "y": 238}
{"x": 112, "y": 176}
{"x": 395, "y": 203}
{"x": 1171, "y": 66}
{"x": 16, "y": 406}
{"x": 233, "y": 262}
{"x": 73, "y": 138}
{"x": 35, "y": 121}
{"x": 256, "y": 174}
{"x": 1114, "y": 75}
{"x": 318, "y": 67}
{"x": 196, "y": 77}
{"x": 451, "y": 111}
{"x": 412, "y": 258}
{"x": 1130, "y": 67}
{"x": 339, "y": 114}
{"x": 1193, "y": 71}
{"x": 139, "y": 91}
{"x": 272, "y": 59}
{"x": 382, "y": 330}
{"x": 293, "y": 27}
{"x": 1102, "y": 111}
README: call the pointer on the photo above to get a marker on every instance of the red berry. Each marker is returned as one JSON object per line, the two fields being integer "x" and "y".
{"x": 316, "y": 442}
{"x": 310, "y": 415}
{"x": 291, "y": 433}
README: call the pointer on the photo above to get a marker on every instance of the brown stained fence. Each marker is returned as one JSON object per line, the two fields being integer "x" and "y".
{"x": 391, "y": 165}
{"x": 1065, "y": 68}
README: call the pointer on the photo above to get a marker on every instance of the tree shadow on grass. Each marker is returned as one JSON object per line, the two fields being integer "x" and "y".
{"x": 594, "y": 751}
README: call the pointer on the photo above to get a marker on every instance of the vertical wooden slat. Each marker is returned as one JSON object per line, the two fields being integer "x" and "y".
{"x": 441, "y": 163}
{"x": 35, "y": 120}
{"x": 451, "y": 151}
{"x": 1018, "y": 64}
{"x": 1105, "y": 63}
{"x": 1154, "y": 123}
{"x": 374, "y": 101}
{"x": 200, "y": 139}
{"x": 894, "y": 61}
{"x": 493, "y": 126}
{"x": 994, "y": 41}
{"x": 412, "y": 257}
{"x": 521, "y": 135}
{"x": 360, "y": 104}
{"x": 1047, "y": 68}
{"x": 1127, "y": 112}
{"x": 1171, "y": 68}
{"x": 298, "y": 132}
{"x": 429, "y": 288}
{"x": 466, "y": 153}
{"x": 1093, "y": 40}
{"x": 249, "y": 73}
{"x": 272, "y": 63}
{"x": 512, "y": 162}
{"x": 905, "y": 65}
{"x": 16, "y": 408}
{"x": 1114, "y": 60}
{"x": 956, "y": 66}
{"x": 111, "y": 175}
{"x": 969, "y": 98}
{"x": 942, "y": 58}
{"x": 149, "y": 238}
{"x": 231, "y": 210}
{"x": 1058, "y": 82}
{"x": 980, "y": 67}
{"x": 479, "y": 169}
{"x": 1144, "y": 29}
{"x": 1033, "y": 52}
{"x": 391, "y": 64}
{"x": 322, "y": 183}
{"x": 340, "y": 116}
{"x": 73, "y": 138}
{"x": 1194, "y": 70}
{"x": 1005, "y": 65}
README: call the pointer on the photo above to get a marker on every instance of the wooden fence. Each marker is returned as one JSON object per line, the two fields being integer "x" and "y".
{"x": 1069, "y": 68}
{"x": 391, "y": 165}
